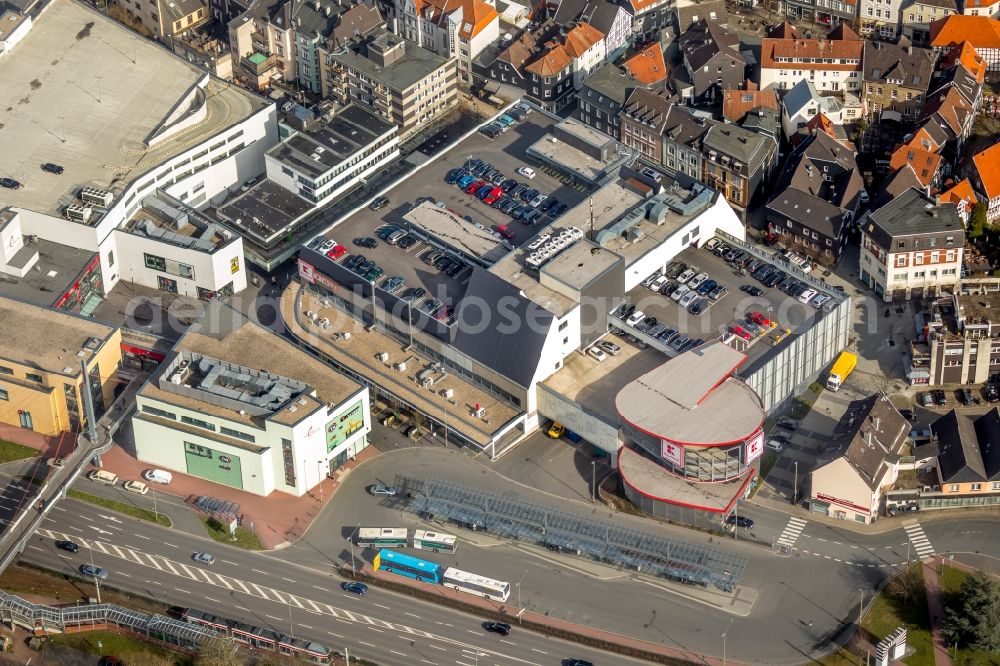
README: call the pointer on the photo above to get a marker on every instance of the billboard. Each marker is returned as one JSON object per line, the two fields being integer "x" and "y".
{"x": 345, "y": 425}
{"x": 753, "y": 448}
{"x": 672, "y": 453}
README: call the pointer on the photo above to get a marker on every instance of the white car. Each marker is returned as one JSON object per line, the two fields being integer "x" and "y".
{"x": 697, "y": 280}
{"x": 819, "y": 300}
{"x": 527, "y": 172}
{"x": 680, "y": 293}
{"x": 687, "y": 275}
{"x": 327, "y": 245}
{"x": 635, "y": 318}
{"x": 538, "y": 201}
{"x": 597, "y": 353}
{"x": 137, "y": 487}
{"x": 652, "y": 277}
{"x": 773, "y": 445}
{"x": 659, "y": 282}
{"x": 807, "y": 295}
{"x": 688, "y": 298}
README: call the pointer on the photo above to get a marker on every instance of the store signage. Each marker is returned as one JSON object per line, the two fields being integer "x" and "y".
{"x": 671, "y": 452}
{"x": 753, "y": 448}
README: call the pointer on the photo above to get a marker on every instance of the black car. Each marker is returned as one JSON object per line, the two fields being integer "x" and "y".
{"x": 52, "y": 168}
{"x": 10, "y": 183}
{"x": 355, "y": 588}
{"x": 939, "y": 398}
{"x": 367, "y": 241}
{"x": 739, "y": 521}
{"x": 964, "y": 396}
{"x": 497, "y": 627}
{"x": 68, "y": 546}
{"x": 908, "y": 414}
{"x": 529, "y": 195}
{"x": 406, "y": 242}
{"x": 991, "y": 393}
{"x": 453, "y": 176}
{"x": 577, "y": 662}
{"x": 379, "y": 203}
{"x": 558, "y": 210}
{"x": 518, "y": 190}
{"x": 752, "y": 290}
{"x": 413, "y": 293}
{"x": 508, "y": 185}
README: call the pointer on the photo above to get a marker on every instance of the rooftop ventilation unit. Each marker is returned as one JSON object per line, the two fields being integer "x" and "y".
{"x": 78, "y": 213}
{"x": 97, "y": 196}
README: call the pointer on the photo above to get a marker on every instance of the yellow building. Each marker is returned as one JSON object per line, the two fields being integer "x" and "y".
{"x": 40, "y": 374}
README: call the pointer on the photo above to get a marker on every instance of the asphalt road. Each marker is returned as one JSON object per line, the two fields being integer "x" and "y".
{"x": 387, "y": 628}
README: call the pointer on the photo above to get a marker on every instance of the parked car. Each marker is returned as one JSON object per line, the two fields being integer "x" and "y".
{"x": 10, "y": 183}
{"x": 964, "y": 396}
{"x": 739, "y": 521}
{"x": 609, "y": 347}
{"x": 92, "y": 571}
{"x": 939, "y": 398}
{"x": 367, "y": 241}
{"x": 527, "y": 172}
{"x": 807, "y": 295}
{"x": 751, "y": 290}
{"x": 379, "y": 203}
{"x": 787, "y": 422}
{"x": 68, "y": 546}
{"x": 382, "y": 489}
{"x": 926, "y": 399}
{"x": 773, "y": 445}
{"x": 991, "y": 393}
{"x": 52, "y": 168}
{"x": 597, "y": 353}
{"x": 697, "y": 280}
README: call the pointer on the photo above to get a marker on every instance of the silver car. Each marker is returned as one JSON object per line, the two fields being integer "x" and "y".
{"x": 204, "y": 558}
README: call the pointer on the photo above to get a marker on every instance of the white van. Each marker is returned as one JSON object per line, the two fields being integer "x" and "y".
{"x": 158, "y": 476}
{"x": 102, "y": 476}
{"x": 137, "y": 487}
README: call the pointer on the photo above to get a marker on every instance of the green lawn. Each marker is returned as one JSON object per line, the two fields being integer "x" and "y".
{"x": 10, "y": 452}
{"x": 244, "y": 537}
{"x": 130, "y": 649}
{"x": 121, "y": 507}
{"x": 886, "y": 614}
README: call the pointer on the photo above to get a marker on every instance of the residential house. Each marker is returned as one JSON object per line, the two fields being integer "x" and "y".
{"x": 826, "y": 12}
{"x": 395, "y": 79}
{"x": 816, "y": 197}
{"x": 986, "y": 176}
{"x": 167, "y": 18}
{"x": 989, "y": 8}
{"x": 764, "y": 121}
{"x": 832, "y": 64}
{"x": 981, "y": 32}
{"x": 879, "y": 19}
{"x": 820, "y": 123}
{"x": 962, "y": 196}
{"x": 261, "y": 43}
{"x": 926, "y": 164}
{"x": 911, "y": 244}
{"x": 968, "y": 462}
{"x": 460, "y": 29}
{"x": 209, "y": 53}
{"x": 610, "y": 19}
{"x": 951, "y": 115}
{"x": 585, "y": 45}
{"x": 644, "y": 120}
{"x": 916, "y": 17}
{"x": 892, "y": 186}
{"x": 852, "y": 484}
{"x": 535, "y": 62}
{"x": 648, "y": 66}
{"x": 960, "y": 340}
{"x": 600, "y": 101}
{"x": 224, "y": 11}
{"x": 737, "y": 103}
{"x": 688, "y": 12}
{"x": 803, "y": 102}
{"x": 896, "y": 77}
{"x": 737, "y": 162}
{"x": 649, "y": 17}
{"x": 712, "y": 59}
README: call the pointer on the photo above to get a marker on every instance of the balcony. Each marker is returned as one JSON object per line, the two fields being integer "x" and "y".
{"x": 258, "y": 64}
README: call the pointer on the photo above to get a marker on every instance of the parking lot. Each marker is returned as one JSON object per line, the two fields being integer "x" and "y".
{"x": 506, "y": 153}
{"x": 788, "y": 314}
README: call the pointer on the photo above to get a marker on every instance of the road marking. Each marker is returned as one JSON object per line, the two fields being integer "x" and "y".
{"x": 74, "y": 527}
{"x": 539, "y": 651}
{"x": 169, "y": 544}
{"x": 211, "y": 599}
{"x": 111, "y": 518}
{"x": 35, "y": 548}
{"x": 222, "y": 580}
{"x": 142, "y": 536}
{"x": 245, "y": 588}
{"x": 90, "y": 520}
{"x": 374, "y": 628}
{"x": 508, "y": 642}
{"x": 279, "y": 619}
{"x": 401, "y": 654}
{"x": 368, "y": 644}
{"x": 335, "y": 635}
{"x": 411, "y": 614}
{"x": 183, "y": 591}
{"x": 438, "y": 647}
{"x": 792, "y": 531}
{"x": 190, "y": 574}
{"x": 381, "y": 606}
{"x": 321, "y": 588}
{"x": 317, "y": 608}
{"x": 228, "y": 562}
{"x": 155, "y": 582}
{"x": 424, "y": 661}
{"x": 462, "y": 663}
{"x": 443, "y": 624}
{"x": 306, "y": 626}
{"x": 243, "y": 608}
{"x": 259, "y": 571}
{"x": 283, "y": 578}
{"x": 260, "y": 591}
{"x": 58, "y": 508}
{"x": 917, "y": 537}
{"x": 472, "y": 632}
{"x": 171, "y": 567}
{"x": 295, "y": 601}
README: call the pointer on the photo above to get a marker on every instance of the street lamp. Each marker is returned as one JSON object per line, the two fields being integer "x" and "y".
{"x": 593, "y": 481}
{"x": 520, "y": 609}
{"x": 291, "y": 625}
{"x": 351, "y": 539}
{"x": 319, "y": 470}
{"x": 795, "y": 488}
{"x": 97, "y": 581}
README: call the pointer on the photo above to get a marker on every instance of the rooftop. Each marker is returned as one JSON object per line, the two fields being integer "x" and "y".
{"x": 9, "y": 22}
{"x": 452, "y": 230}
{"x": 877, "y": 435}
{"x": 654, "y": 480}
{"x": 569, "y": 157}
{"x": 71, "y": 111}
{"x": 648, "y": 65}
{"x": 417, "y": 63}
{"x": 322, "y": 147}
{"x": 58, "y": 266}
{"x": 982, "y": 32}
{"x": 988, "y": 165}
{"x": 914, "y": 214}
{"x": 692, "y": 399}
{"x": 264, "y": 212}
{"x": 68, "y": 337}
{"x": 168, "y": 220}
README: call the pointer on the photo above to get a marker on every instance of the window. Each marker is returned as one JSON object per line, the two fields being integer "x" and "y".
{"x": 154, "y": 262}
{"x": 155, "y": 411}
{"x": 111, "y": 258}
{"x": 4, "y": 370}
{"x": 33, "y": 378}
{"x": 976, "y": 486}
{"x": 953, "y": 488}
{"x": 901, "y": 260}
{"x": 198, "y": 422}
{"x": 246, "y": 437}
{"x": 3, "y": 394}
{"x": 562, "y": 326}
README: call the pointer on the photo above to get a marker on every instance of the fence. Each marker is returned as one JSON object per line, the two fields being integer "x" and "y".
{"x": 42, "y": 619}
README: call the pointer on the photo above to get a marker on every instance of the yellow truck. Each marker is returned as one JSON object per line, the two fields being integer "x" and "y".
{"x": 841, "y": 370}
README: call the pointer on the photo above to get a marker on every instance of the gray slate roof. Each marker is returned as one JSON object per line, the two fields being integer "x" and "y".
{"x": 713, "y": 10}
{"x": 883, "y": 62}
{"x": 913, "y": 219}
{"x": 598, "y": 13}
{"x": 969, "y": 450}
{"x": 876, "y": 439}
{"x": 704, "y": 40}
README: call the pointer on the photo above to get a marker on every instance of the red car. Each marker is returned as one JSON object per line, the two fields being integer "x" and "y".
{"x": 337, "y": 252}
{"x": 759, "y": 319}
{"x": 474, "y": 186}
{"x": 740, "y": 332}
{"x": 492, "y": 197}
{"x": 504, "y": 231}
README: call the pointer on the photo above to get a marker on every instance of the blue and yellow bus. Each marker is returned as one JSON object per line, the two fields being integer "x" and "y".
{"x": 405, "y": 565}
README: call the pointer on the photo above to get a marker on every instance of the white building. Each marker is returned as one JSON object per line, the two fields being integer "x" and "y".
{"x": 13, "y": 27}
{"x": 832, "y": 64}
{"x": 879, "y": 19}
{"x": 188, "y": 136}
{"x": 317, "y": 163}
{"x": 586, "y": 45}
{"x": 911, "y": 244}
{"x": 208, "y": 412}
{"x": 989, "y": 8}
{"x": 803, "y": 102}
{"x": 460, "y": 30}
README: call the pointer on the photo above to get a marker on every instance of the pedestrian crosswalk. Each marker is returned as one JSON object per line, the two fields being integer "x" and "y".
{"x": 921, "y": 544}
{"x": 792, "y": 530}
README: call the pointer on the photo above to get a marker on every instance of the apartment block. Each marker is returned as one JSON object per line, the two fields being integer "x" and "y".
{"x": 832, "y": 64}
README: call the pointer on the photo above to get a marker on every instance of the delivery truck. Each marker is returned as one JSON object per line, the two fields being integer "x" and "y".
{"x": 841, "y": 370}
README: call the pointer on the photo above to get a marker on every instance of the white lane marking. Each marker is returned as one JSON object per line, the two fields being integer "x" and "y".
{"x": 368, "y": 644}
{"x": 334, "y": 635}
{"x": 539, "y": 651}
{"x": 142, "y": 536}
{"x": 411, "y": 614}
{"x": 438, "y": 647}
{"x": 171, "y": 567}
{"x": 432, "y": 663}
{"x": 228, "y": 562}
{"x": 211, "y": 599}
{"x": 58, "y": 508}
{"x": 169, "y": 544}
{"x": 305, "y": 625}
{"x": 321, "y": 588}
{"x": 238, "y": 582}
{"x": 190, "y": 574}
{"x": 401, "y": 654}
{"x": 88, "y": 519}
{"x": 280, "y": 619}
{"x": 260, "y": 591}
{"x": 35, "y": 548}
{"x": 222, "y": 579}
{"x": 288, "y": 579}
{"x": 259, "y": 571}
{"x": 374, "y": 628}
{"x": 381, "y": 606}
{"x": 183, "y": 591}
{"x": 315, "y": 607}
{"x": 292, "y": 599}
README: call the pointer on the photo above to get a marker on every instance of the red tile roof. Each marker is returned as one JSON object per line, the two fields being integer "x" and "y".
{"x": 988, "y": 165}
{"x": 952, "y": 108}
{"x": 550, "y": 64}
{"x": 581, "y": 38}
{"x": 966, "y": 54}
{"x": 925, "y": 164}
{"x": 848, "y": 49}
{"x": 476, "y": 16}
{"x": 982, "y": 32}
{"x": 962, "y": 192}
{"x": 648, "y": 66}
{"x": 737, "y": 103}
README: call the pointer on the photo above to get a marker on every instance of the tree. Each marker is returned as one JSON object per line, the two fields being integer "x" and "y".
{"x": 908, "y": 586}
{"x": 972, "y": 615}
{"x": 218, "y": 652}
{"x": 977, "y": 220}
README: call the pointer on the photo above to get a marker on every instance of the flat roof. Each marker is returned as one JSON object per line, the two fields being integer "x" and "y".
{"x": 358, "y": 353}
{"x": 416, "y": 65}
{"x": 452, "y": 230}
{"x": 264, "y": 211}
{"x": 87, "y": 93}
{"x": 654, "y": 481}
{"x": 316, "y": 150}
{"x": 23, "y": 326}
{"x": 692, "y": 399}
{"x": 579, "y": 264}
{"x": 58, "y": 266}
{"x": 565, "y": 155}
{"x": 160, "y": 219}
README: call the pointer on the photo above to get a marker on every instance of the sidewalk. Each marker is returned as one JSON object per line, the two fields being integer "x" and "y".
{"x": 936, "y": 609}
{"x": 278, "y": 519}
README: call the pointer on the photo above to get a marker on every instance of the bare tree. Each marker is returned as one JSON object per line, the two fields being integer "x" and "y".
{"x": 218, "y": 652}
